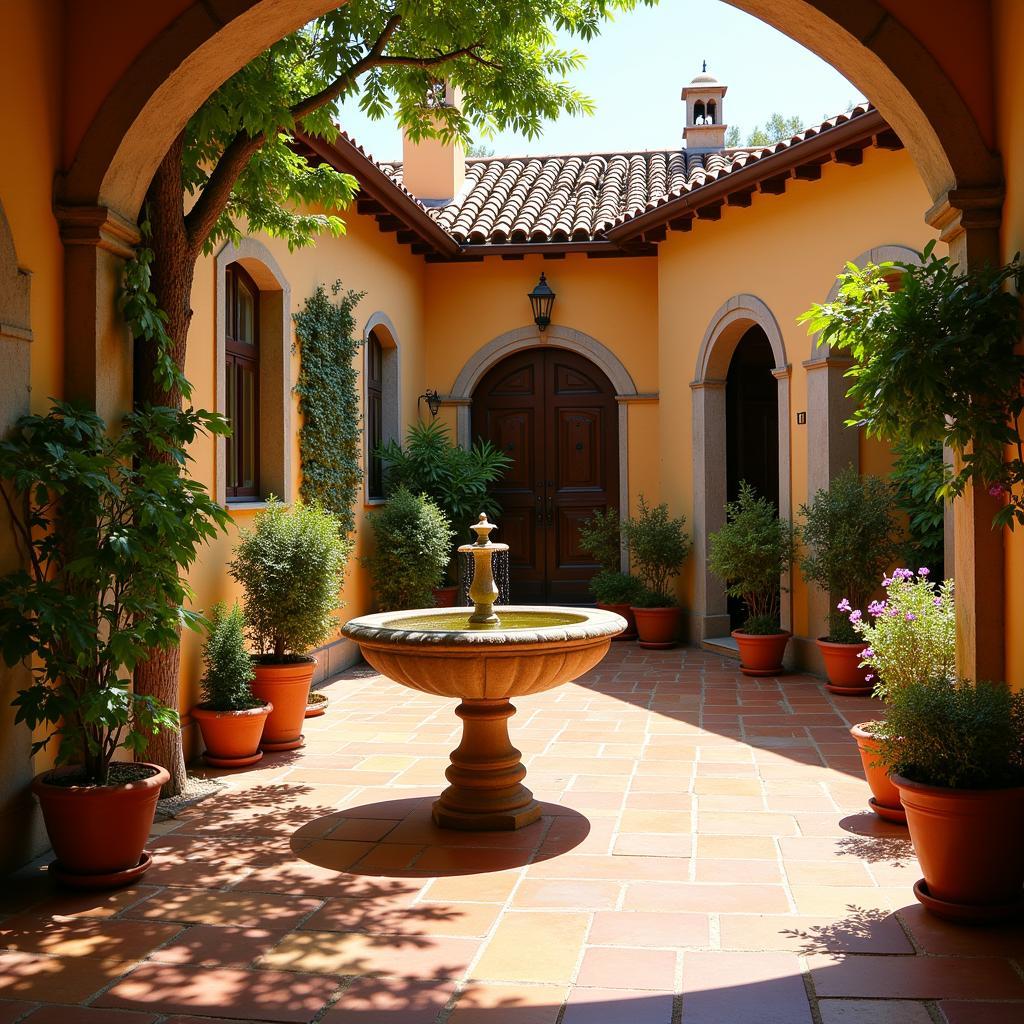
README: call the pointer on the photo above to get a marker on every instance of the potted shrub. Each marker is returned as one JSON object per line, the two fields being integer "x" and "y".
{"x": 104, "y": 534}
{"x": 910, "y": 636}
{"x": 229, "y": 716}
{"x": 956, "y": 753}
{"x": 750, "y": 554}
{"x": 658, "y": 546}
{"x": 852, "y": 537}
{"x": 457, "y": 479}
{"x": 413, "y": 541}
{"x": 291, "y": 566}
{"x": 613, "y": 590}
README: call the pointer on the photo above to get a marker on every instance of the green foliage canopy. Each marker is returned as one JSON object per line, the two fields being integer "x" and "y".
{"x": 917, "y": 477}
{"x": 226, "y": 683}
{"x": 601, "y": 536}
{"x": 105, "y": 534}
{"x": 658, "y": 545}
{"x": 328, "y": 390}
{"x": 776, "y": 128}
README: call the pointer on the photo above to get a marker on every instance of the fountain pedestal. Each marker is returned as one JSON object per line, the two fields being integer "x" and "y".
{"x": 486, "y": 775}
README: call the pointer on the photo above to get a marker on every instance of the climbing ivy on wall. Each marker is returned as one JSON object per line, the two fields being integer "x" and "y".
{"x": 330, "y": 438}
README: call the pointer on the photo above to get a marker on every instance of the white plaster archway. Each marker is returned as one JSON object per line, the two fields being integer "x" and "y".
{"x": 728, "y": 325}
{"x": 391, "y": 387}
{"x": 275, "y": 368}
{"x": 556, "y": 336}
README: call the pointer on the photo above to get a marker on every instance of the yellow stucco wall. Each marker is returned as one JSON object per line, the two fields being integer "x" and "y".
{"x": 786, "y": 250}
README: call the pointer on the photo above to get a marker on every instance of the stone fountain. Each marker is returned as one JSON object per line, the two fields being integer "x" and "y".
{"x": 485, "y": 657}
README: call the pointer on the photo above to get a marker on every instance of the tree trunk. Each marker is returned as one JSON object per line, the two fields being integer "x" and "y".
{"x": 173, "y": 270}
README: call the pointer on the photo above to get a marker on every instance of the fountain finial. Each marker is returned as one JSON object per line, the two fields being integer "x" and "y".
{"x": 482, "y": 590}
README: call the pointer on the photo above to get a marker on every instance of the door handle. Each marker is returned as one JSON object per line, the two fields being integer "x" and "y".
{"x": 551, "y": 513}
{"x": 540, "y": 510}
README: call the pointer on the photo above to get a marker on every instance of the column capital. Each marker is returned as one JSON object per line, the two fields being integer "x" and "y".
{"x": 98, "y": 227}
{"x": 827, "y": 362}
{"x": 782, "y": 372}
{"x": 965, "y": 209}
{"x": 709, "y": 384}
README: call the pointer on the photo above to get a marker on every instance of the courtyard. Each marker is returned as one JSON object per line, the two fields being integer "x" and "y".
{"x": 705, "y": 857}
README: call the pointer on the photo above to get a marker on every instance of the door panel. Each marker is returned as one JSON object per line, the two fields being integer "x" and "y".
{"x": 554, "y": 413}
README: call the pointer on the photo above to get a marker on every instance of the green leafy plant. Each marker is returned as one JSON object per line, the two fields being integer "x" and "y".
{"x": 226, "y": 683}
{"x": 653, "y": 599}
{"x": 104, "y": 534}
{"x": 291, "y": 565}
{"x": 328, "y": 390}
{"x": 917, "y": 477}
{"x": 935, "y": 361}
{"x": 613, "y": 587}
{"x": 456, "y": 478}
{"x": 658, "y": 546}
{"x": 749, "y": 553}
{"x": 600, "y": 535}
{"x": 959, "y": 735}
{"x": 911, "y": 635}
{"x": 852, "y": 536}
{"x": 413, "y": 541}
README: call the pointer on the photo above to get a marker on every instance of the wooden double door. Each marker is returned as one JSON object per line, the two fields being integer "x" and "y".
{"x": 554, "y": 414}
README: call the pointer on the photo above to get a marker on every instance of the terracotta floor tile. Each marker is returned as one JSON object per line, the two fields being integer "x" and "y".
{"x": 80, "y": 937}
{"x": 866, "y": 932}
{"x": 874, "y": 1011}
{"x": 640, "y": 928}
{"x": 736, "y": 847}
{"x": 628, "y": 968}
{"x": 726, "y": 899}
{"x": 566, "y": 894}
{"x": 617, "y": 1006}
{"x": 665, "y": 821}
{"x": 398, "y": 955}
{"x": 13, "y": 1009}
{"x": 749, "y": 824}
{"x": 226, "y": 908}
{"x": 842, "y": 900}
{"x": 741, "y": 871}
{"x": 385, "y": 1001}
{"x": 743, "y": 988}
{"x": 494, "y": 886}
{"x": 934, "y": 935}
{"x": 828, "y": 872}
{"x": 646, "y": 844}
{"x": 533, "y": 947}
{"x": 958, "y": 1012}
{"x": 224, "y": 946}
{"x": 33, "y": 977}
{"x": 616, "y": 866}
{"x": 88, "y": 1015}
{"x": 916, "y": 977}
{"x": 480, "y": 1003}
{"x": 247, "y": 995}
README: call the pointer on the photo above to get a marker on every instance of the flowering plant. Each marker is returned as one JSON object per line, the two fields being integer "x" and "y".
{"x": 911, "y": 635}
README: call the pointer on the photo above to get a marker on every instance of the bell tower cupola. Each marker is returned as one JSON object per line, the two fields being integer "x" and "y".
{"x": 705, "y": 125}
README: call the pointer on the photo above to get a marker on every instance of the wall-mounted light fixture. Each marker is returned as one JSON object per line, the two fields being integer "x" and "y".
{"x": 542, "y": 298}
{"x": 433, "y": 400}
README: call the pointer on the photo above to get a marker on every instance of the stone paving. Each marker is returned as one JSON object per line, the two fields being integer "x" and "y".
{"x": 705, "y": 858}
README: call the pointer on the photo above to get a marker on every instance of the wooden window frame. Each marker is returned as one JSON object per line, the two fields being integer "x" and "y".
{"x": 239, "y": 354}
{"x": 374, "y": 416}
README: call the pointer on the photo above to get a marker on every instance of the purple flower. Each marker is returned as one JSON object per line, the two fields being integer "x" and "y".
{"x": 937, "y": 601}
{"x": 868, "y": 652}
{"x": 886, "y": 581}
{"x": 892, "y": 612}
{"x": 910, "y": 617}
{"x": 855, "y": 615}
{"x": 902, "y": 574}
{"x": 876, "y": 607}
{"x": 844, "y": 605}
{"x": 868, "y": 676}
{"x": 924, "y": 571}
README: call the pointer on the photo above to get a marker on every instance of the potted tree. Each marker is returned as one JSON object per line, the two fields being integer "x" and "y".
{"x": 658, "y": 545}
{"x": 104, "y": 534}
{"x": 291, "y": 566}
{"x": 956, "y": 753}
{"x": 910, "y": 636}
{"x": 749, "y": 554}
{"x": 230, "y": 717}
{"x": 457, "y": 479}
{"x": 412, "y": 543}
{"x": 613, "y": 590}
{"x": 852, "y": 536}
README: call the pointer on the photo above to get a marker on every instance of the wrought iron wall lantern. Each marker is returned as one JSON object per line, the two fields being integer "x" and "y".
{"x": 542, "y": 299}
{"x": 433, "y": 400}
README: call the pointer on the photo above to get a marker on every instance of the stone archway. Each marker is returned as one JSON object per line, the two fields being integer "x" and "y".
{"x": 724, "y": 332}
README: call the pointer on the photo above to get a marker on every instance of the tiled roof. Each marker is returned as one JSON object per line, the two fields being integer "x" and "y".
{"x": 578, "y": 198}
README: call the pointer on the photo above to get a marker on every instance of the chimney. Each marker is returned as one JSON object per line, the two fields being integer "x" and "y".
{"x": 705, "y": 123}
{"x": 433, "y": 170}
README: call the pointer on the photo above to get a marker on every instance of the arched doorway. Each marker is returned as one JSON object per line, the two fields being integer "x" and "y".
{"x": 751, "y": 426}
{"x": 554, "y": 413}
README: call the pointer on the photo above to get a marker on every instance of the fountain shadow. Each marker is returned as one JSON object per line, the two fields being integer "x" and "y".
{"x": 398, "y": 839}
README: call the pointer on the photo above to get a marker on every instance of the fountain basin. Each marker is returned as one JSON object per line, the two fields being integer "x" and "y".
{"x": 439, "y": 651}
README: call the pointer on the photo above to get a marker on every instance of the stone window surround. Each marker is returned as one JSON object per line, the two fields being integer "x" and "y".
{"x": 391, "y": 389}
{"x": 710, "y": 617}
{"x": 556, "y": 336}
{"x": 275, "y": 371}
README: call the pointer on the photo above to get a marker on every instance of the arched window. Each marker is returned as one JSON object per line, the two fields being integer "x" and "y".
{"x": 712, "y": 112}
{"x": 374, "y": 417}
{"x": 698, "y": 112}
{"x": 242, "y": 383}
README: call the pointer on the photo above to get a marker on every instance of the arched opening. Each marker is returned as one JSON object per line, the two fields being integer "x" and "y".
{"x": 382, "y": 412}
{"x": 555, "y": 415}
{"x": 698, "y": 112}
{"x": 751, "y": 426}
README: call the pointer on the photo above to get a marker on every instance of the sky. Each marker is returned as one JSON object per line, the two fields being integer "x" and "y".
{"x": 635, "y": 71}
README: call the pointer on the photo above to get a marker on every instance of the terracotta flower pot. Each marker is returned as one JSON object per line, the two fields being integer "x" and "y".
{"x": 842, "y": 668}
{"x": 232, "y": 738}
{"x": 629, "y": 633}
{"x": 445, "y": 597}
{"x": 317, "y": 704}
{"x": 761, "y": 654}
{"x": 657, "y": 627}
{"x": 885, "y": 799}
{"x": 285, "y": 686}
{"x": 970, "y": 843}
{"x": 99, "y": 832}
